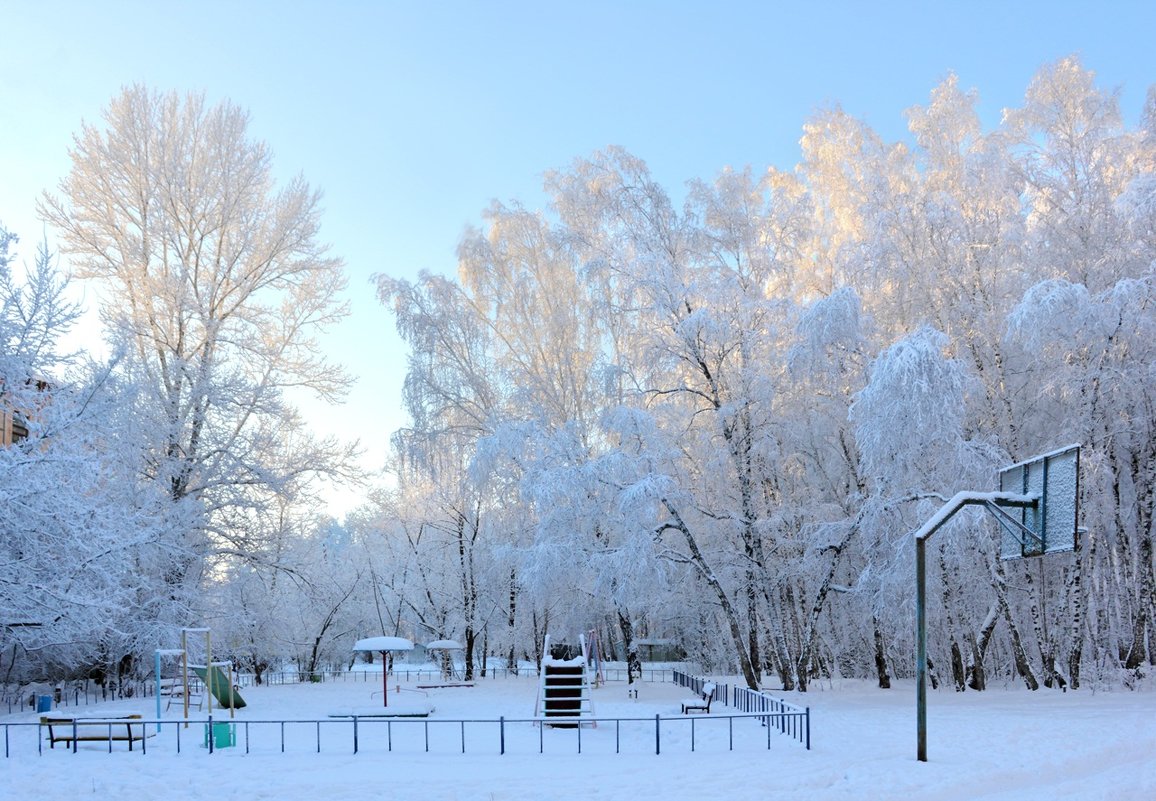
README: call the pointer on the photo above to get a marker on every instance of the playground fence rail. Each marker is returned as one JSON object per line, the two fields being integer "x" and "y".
{"x": 369, "y": 734}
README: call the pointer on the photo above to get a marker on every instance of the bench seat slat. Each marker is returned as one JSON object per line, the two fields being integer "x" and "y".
{"x": 129, "y": 728}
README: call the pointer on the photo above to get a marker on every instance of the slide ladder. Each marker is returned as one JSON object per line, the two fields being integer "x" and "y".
{"x": 564, "y": 690}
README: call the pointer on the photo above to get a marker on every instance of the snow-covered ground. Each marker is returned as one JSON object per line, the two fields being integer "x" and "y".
{"x": 1001, "y": 744}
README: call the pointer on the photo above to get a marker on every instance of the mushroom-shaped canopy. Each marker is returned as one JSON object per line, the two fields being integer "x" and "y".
{"x": 383, "y": 644}
{"x": 444, "y": 645}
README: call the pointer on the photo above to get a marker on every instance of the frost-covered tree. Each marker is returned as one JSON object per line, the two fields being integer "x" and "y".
{"x": 215, "y": 286}
{"x": 728, "y": 416}
{"x": 82, "y": 536}
{"x": 455, "y": 397}
{"x": 1075, "y": 159}
{"x": 1092, "y": 366}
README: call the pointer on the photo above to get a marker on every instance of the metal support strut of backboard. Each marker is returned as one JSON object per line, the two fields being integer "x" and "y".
{"x": 1026, "y": 537}
{"x": 1048, "y": 491}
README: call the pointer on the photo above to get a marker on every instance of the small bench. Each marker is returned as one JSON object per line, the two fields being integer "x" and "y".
{"x": 701, "y": 704}
{"x": 447, "y": 686}
{"x": 126, "y": 728}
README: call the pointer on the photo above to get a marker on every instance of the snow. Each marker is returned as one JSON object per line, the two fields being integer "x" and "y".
{"x": 417, "y": 709}
{"x": 1006, "y": 743}
{"x": 444, "y": 645}
{"x": 961, "y": 499}
{"x": 576, "y": 661}
{"x": 383, "y": 644}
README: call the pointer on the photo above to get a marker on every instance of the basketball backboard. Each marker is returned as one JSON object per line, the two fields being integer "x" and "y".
{"x": 1054, "y": 478}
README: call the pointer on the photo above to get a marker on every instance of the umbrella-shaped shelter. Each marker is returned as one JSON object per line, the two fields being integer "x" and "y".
{"x": 385, "y": 645}
{"x": 445, "y": 646}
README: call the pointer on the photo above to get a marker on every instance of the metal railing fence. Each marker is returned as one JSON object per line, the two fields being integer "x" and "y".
{"x": 381, "y": 734}
{"x": 775, "y": 713}
{"x": 368, "y": 734}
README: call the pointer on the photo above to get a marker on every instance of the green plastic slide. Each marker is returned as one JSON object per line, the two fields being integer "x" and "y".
{"x": 219, "y": 686}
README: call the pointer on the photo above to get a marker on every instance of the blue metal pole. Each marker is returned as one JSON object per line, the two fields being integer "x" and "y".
{"x": 920, "y": 650}
{"x": 158, "y": 666}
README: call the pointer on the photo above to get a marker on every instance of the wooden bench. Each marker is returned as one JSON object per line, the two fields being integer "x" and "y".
{"x": 126, "y": 728}
{"x": 701, "y": 704}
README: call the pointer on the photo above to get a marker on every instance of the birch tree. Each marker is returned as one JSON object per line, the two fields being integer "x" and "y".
{"x": 455, "y": 398}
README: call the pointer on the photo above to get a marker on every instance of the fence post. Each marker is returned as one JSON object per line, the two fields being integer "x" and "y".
{"x": 657, "y": 741}
{"x": 355, "y": 734}
{"x": 808, "y": 722}
{"x": 502, "y": 734}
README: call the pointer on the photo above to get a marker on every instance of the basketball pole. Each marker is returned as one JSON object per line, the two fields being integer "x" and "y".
{"x": 921, "y": 649}
{"x": 994, "y": 501}
{"x": 1049, "y": 486}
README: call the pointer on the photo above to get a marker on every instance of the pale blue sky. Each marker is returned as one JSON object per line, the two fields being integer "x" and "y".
{"x": 411, "y": 117}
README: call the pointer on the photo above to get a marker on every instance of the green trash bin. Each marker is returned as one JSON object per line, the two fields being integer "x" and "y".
{"x": 224, "y": 735}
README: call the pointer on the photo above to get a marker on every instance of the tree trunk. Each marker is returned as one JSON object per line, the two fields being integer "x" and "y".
{"x": 539, "y": 634}
{"x": 469, "y": 587}
{"x": 1046, "y": 645}
{"x": 880, "y": 657}
{"x": 485, "y": 650}
{"x": 1019, "y": 654}
{"x": 511, "y": 619}
{"x": 753, "y": 626}
{"x": 633, "y": 662}
{"x": 957, "y": 672}
{"x": 1076, "y": 601}
{"x": 812, "y": 625}
{"x": 976, "y": 675}
{"x": 801, "y": 663}
{"x": 778, "y": 641}
{"x": 698, "y": 561}
{"x": 468, "y": 656}
{"x": 1138, "y": 651}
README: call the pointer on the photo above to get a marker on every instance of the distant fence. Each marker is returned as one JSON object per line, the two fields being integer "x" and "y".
{"x": 402, "y": 673}
{"x": 787, "y": 718}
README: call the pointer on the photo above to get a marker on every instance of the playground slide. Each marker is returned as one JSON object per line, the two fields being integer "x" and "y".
{"x": 225, "y": 694}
